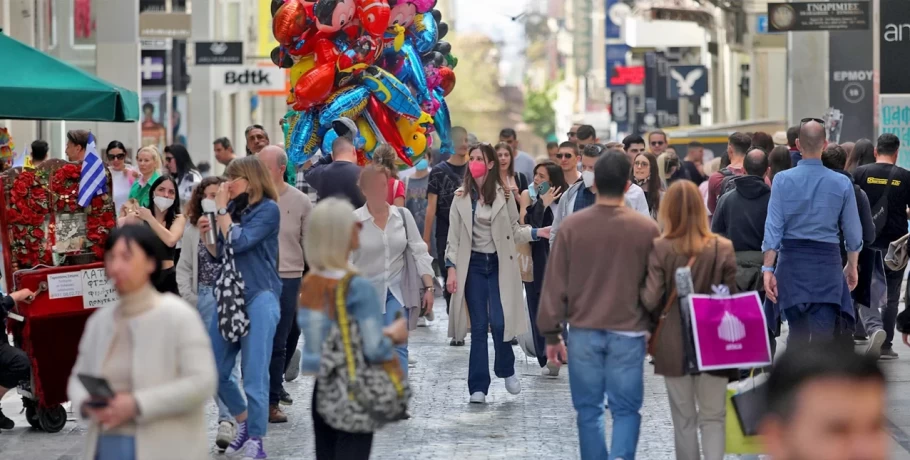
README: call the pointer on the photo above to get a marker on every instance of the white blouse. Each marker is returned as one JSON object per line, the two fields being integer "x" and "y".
{"x": 380, "y": 257}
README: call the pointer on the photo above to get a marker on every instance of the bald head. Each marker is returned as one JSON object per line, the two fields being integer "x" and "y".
{"x": 756, "y": 163}
{"x": 275, "y": 160}
{"x": 812, "y": 139}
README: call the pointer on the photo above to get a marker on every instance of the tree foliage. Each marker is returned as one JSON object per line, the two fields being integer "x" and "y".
{"x": 539, "y": 112}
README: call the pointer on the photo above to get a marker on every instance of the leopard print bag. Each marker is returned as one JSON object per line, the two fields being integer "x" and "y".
{"x": 353, "y": 395}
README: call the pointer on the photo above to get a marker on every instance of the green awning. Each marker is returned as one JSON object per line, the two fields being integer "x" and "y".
{"x": 36, "y": 86}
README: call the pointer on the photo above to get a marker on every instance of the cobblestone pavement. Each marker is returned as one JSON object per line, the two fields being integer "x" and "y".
{"x": 539, "y": 423}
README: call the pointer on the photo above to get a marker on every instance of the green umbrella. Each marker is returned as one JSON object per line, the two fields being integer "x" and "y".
{"x": 36, "y": 86}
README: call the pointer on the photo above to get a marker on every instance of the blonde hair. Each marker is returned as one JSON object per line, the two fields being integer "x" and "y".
{"x": 684, "y": 218}
{"x": 327, "y": 241}
{"x": 255, "y": 173}
{"x": 712, "y": 166}
{"x": 385, "y": 156}
{"x": 156, "y": 155}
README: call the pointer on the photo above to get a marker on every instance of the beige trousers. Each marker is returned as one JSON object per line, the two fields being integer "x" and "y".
{"x": 709, "y": 393}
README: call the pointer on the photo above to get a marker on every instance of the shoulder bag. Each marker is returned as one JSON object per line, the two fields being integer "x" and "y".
{"x": 411, "y": 282}
{"x": 351, "y": 394}
{"x": 233, "y": 322}
{"x": 671, "y": 301}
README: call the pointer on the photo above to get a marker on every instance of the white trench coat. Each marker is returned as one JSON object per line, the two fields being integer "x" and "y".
{"x": 506, "y": 233}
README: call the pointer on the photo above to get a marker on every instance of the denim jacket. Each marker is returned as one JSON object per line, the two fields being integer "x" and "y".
{"x": 255, "y": 242}
{"x": 316, "y": 314}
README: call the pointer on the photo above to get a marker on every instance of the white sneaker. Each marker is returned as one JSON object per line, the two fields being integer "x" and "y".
{"x": 226, "y": 434}
{"x": 478, "y": 398}
{"x": 513, "y": 385}
{"x": 551, "y": 370}
{"x": 422, "y": 321}
{"x": 874, "y": 344}
{"x": 411, "y": 360}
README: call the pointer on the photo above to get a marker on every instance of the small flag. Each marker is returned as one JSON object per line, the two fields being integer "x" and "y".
{"x": 19, "y": 158}
{"x": 93, "y": 177}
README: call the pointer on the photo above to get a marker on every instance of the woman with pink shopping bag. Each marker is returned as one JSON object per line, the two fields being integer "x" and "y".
{"x": 686, "y": 241}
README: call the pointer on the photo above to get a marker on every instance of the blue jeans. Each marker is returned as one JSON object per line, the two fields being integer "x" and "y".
{"x": 115, "y": 447}
{"x": 290, "y": 288}
{"x": 255, "y": 350}
{"x": 208, "y": 310}
{"x": 481, "y": 292}
{"x": 393, "y": 306}
{"x": 814, "y": 321}
{"x": 603, "y": 362}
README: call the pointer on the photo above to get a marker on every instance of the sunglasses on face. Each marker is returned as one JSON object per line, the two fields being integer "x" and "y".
{"x": 596, "y": 149}
{"x": 657, "y": 143}
{"x": 567, "y": 156}
{"x": 807, "y": 120}
{"x": 118, "y": 156}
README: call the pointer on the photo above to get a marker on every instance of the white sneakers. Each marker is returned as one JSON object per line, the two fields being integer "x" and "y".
{"x": 551, "y": 370}
{"x": 875, "y": 343}
{"x": 422, "y": 321}
{"x": 226, "y": 433}
{"x": 478, "y": 398}
{"x": 513, "y": 385}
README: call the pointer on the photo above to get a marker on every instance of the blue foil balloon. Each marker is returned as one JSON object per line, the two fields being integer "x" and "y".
{"x": 327, "y": 141}
{"x": 425, "y": 33}
{"x": 416, "y": 76}
{"x": 301, "y": 137}
{"x": 393, "y": 93}
{"x": 346, "y": 102}
{"x": 442, "y": 123}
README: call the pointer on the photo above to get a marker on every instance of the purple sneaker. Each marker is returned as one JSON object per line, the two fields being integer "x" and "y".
{"x": 253, "y": 450}
{"x": 236, "y": 447}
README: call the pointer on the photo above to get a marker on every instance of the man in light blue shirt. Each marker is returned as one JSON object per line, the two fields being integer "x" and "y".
{"x": 809, "y": 205}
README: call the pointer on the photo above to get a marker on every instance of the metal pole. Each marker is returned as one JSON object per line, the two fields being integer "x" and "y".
{"x": 876, "y": 63}
{"x": 169, "y": 83}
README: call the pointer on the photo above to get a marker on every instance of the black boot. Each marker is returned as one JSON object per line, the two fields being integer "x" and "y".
{"x": 5, "y": 422}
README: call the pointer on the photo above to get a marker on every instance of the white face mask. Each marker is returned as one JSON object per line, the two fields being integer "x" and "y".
{"x": 162, "y": 203}
{"x": 588, "y": 177}
{"x": 209, "y": 205}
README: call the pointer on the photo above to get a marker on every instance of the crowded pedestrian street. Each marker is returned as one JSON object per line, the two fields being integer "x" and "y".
{"x": 538, "y": 424}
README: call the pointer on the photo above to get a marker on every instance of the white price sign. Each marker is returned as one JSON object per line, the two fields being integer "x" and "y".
{"x": 63, "y": 285}
{"x": 97, "y": 289}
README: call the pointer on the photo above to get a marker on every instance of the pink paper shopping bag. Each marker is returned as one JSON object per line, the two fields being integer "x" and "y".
{"x": 729, "y": 332}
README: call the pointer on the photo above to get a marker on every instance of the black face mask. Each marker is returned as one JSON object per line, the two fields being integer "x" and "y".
{"x": 240, "y": 203}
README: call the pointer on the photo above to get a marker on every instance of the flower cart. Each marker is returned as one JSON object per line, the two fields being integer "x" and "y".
{"x": 54, "y": 247}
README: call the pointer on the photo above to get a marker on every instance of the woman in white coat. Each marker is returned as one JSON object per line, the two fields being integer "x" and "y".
{"x": 483, "y": 271}
{"x": 392, "y": 254}
{"x": 156, "y": 357}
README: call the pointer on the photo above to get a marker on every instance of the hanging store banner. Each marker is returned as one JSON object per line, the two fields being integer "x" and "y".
{"x": 850, "y": 82}
{"x": 894, "y": 47}
{"x": 791, "y": 17}
{"x": 894, "y": 118}
{"x": 581, "y": 35}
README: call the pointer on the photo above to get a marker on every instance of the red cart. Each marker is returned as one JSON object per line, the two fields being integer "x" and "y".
{"x": 54, "y": 247}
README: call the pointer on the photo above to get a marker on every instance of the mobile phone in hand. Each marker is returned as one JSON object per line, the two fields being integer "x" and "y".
{"x": 97, "y": 387}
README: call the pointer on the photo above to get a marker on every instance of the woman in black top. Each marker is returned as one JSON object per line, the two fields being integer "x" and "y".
{"x": 537, "y": 204}
{"x": 645, "y": 175}
{"x": 515, "y": 182}
{"x": 163, "y": 216}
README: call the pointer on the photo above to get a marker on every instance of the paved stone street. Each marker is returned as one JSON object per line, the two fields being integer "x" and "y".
{"x": 537, "y": 424}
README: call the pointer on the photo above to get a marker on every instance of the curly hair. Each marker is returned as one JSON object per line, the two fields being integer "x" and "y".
{"x": 194, "y": 207}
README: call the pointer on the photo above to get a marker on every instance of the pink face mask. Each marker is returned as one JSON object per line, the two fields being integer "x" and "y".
{"x": 478, "y": 169}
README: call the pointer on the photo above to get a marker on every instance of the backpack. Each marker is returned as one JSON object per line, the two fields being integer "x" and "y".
{"x": 352, "y": 394}
{"x": 880, "y": 208}
{"x": 728, "y": 183}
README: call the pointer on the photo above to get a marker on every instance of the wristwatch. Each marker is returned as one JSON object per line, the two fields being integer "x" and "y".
{"x": 430, "y": 289}
{"x": 765, "y": 269}
{"x": 222, "y": 211}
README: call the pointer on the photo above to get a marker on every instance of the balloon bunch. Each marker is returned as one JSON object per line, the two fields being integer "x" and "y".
{"x": 380, "y": 63}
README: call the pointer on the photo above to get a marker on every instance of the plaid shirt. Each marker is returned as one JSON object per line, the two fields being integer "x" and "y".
{"x": 303, "y": 186}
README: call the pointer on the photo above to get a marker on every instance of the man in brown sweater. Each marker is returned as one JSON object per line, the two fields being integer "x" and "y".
{"x": 599, "y": 261}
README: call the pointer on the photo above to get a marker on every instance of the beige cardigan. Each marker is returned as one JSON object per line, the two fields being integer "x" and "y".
{"x": 187, "y": 266}
{"x": 174, "y": 378}
{"x": 506, "y": 233}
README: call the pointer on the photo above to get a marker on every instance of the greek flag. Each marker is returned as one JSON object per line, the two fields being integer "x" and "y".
{"x": 93, "y": 177}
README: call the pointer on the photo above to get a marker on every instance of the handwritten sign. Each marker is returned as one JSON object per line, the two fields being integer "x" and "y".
{"x": 63, "y": 285}
{"x": 97, "y": 290}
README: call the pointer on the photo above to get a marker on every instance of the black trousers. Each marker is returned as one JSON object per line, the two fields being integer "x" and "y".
{"x": 288, "y": 304}
{"x": 532, "y": 290}
{"x": 14, "y": 365}
{"x": 332, "y": 444}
